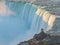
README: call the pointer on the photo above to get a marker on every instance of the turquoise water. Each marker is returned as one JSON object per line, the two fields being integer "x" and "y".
{"x": 20, "y": 26}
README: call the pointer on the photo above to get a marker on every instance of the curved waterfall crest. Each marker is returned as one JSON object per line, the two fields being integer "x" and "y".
{"x": 21, "y": 21}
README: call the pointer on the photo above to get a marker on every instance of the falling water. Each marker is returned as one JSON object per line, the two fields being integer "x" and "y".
{"x": 25, "y": 23}
{"x": 26, "y": 11}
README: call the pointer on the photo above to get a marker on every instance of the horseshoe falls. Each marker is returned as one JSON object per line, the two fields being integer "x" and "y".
{"x": 19, "y": 21}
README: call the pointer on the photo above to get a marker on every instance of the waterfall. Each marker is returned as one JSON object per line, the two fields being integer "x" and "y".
{"x": 33, "y": 20}
{"x": 25, "y": 23}
{"x": 31, "y": 15}
{"x": 26, "y": 11}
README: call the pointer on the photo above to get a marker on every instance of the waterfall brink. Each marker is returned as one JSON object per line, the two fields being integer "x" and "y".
{"x": 34, "y": 16}
{"x": 27, "y": 20}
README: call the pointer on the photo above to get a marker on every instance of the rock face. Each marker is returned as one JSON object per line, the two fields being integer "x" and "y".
{"x": 40, "y": 36}
{"x": 42, "y": 39}
{"x": 24, "y": 43}
{"x": 36, "y": 39}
